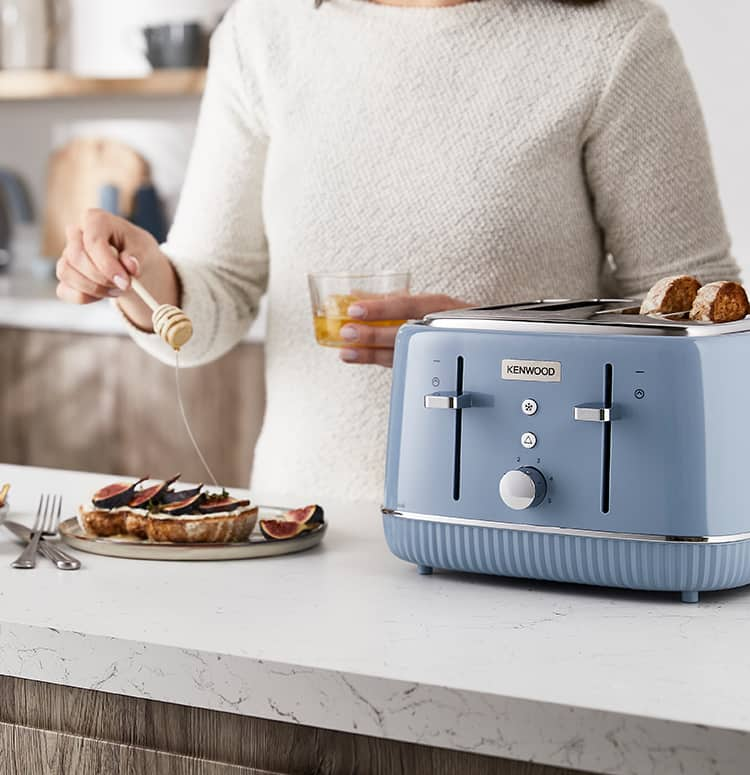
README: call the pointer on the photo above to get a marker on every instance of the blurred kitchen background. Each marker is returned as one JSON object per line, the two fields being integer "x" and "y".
{"x": 98, "y": 102}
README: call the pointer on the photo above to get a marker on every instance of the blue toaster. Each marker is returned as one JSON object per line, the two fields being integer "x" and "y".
{"x": 573, "y": 441}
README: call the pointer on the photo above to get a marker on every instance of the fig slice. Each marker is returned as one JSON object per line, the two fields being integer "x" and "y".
{"x": 213, "y": 504}
{"x": 151, "y": 494}
{"x": 187, "y": 506}
{"x": 307, "y": 515}
{"x": 115, "y": 495}
{"x": 173, "y": 496}
{"x": 281, "y": 529}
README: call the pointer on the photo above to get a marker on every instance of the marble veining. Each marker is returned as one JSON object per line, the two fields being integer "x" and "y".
{"x": 348, "y": 638}
{"x": 430, "y": 715}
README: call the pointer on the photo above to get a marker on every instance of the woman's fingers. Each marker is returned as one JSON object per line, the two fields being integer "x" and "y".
{"x": 374, "y": 344}
{"x": 81, "y": 282}
{"x": 72, "y": 296}
{"x": 69, "y": 275}
{"x": 75, "y": 255}
{"x": 132, "y": 264}
{"x": 92, "y": 267}
{"x": 369, "y": 344}
{"x": 379, "y": 357}
{"x": 97, "y": 241}
{"x": 369, "y": 336}
{"x": 401, "y": 307}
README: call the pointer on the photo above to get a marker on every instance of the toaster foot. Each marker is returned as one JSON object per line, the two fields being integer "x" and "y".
{"x": 690, "y": 597}
{"x": 424, "y": 570}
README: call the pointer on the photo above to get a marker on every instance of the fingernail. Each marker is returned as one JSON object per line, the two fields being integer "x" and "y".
{"x": 350, "y": 333}
{"x": 120, "y": 282}
{"x": 356, "y": 311}
{"x": 350, "y": 356}
{"x": 114, "y": 293}
{"x": 136, "y": 264}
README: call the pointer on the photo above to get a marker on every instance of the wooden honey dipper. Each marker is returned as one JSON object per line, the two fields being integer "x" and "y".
{"x": 169, "y": 322}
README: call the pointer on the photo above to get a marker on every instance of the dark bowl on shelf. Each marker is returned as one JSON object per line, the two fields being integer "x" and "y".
{"x": 176, "y": 46}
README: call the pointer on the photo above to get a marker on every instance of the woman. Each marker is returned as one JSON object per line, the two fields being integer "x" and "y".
{"x": 499, "y": 149}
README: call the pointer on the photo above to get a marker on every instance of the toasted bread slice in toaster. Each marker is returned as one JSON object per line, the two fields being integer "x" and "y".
{"x": 671, "y": 294}
{"x": 720, "y": 302}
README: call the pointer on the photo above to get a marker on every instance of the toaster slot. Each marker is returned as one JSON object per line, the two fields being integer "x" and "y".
{"x": 607, "y": 441}
{"x": 602, "y": 414}
{"x": 459, "y": 426}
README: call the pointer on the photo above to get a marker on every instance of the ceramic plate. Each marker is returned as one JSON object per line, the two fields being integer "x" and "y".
{"x": 137, "y": 549}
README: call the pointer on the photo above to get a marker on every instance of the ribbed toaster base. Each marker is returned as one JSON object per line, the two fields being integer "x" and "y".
{"x": 685, "y": 567}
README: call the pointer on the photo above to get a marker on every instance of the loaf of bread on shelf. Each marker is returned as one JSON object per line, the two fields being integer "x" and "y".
{"x": 720, "y": 302}
{"x": 671, "y": 294}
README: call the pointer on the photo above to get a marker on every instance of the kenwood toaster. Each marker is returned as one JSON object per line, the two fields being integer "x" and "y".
{"x": 574, "y": 441}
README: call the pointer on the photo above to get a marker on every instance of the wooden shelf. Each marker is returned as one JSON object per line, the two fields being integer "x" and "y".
{"x": 52, "y": 84}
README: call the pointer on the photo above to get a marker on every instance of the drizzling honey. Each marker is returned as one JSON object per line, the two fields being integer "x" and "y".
{"x": 185, "y": 421}
{"x": 176, "y": 329}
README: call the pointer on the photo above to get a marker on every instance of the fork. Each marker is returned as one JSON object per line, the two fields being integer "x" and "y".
{"x": 52, "y": 551}
{"x": 47, "y": 516}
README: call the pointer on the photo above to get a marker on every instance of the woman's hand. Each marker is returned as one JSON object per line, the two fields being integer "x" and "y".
{"x": 100, "y": 257}
{"x": 374, "y": 344}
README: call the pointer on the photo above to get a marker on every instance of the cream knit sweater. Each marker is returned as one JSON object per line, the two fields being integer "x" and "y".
{"x": 498, "y": 149}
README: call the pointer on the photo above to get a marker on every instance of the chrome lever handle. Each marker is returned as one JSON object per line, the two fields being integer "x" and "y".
{"x": 447, "y": 401}
{"x": 592, "y": 413}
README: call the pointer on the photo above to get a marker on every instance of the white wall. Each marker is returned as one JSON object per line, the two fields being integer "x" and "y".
{"x": 714, "y": 35}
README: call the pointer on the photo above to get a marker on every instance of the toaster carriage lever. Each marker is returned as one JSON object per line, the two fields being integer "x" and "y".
{"x": 447, "y": 401}
{"x": 592, "y": 413}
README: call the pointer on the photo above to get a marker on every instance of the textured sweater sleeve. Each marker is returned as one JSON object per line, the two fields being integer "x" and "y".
{"x": 649, "y": 167}
{"x": 217, "y": 244}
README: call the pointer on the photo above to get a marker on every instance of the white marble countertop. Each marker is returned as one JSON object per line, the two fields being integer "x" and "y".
{"x": 29, "y": 302}
{"x": 347, "y": 637}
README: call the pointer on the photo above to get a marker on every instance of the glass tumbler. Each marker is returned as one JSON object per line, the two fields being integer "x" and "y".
{"x": 332, "y": 295}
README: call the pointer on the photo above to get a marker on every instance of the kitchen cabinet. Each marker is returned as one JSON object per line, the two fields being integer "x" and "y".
{"x": 48, "y": 729}
{"x": 99, "y": 403}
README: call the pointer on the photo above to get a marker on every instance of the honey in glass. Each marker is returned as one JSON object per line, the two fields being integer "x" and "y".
{"x": 332, "y": 295}
{"x": 329, "y": 324}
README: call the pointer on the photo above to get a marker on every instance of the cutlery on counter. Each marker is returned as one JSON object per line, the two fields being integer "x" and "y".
{"x": 51, "y": 551}
{"x": 45, "y": 524}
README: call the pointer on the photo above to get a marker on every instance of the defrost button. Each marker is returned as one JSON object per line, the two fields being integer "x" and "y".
{"x": 529, "y": 407}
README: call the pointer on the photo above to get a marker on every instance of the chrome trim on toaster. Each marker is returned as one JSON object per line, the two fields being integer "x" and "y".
{"x": 570, "y": 531}
{"x": 552, "y": 327}
{"x": 580, "y": 316}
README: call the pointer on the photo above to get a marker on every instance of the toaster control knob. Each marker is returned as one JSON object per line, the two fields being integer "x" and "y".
{"x": 523, "y": 488}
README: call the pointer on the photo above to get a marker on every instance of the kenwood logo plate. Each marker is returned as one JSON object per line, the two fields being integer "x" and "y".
{"x": 532, "y": 371}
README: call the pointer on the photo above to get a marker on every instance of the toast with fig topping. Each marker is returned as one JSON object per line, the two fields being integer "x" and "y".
{"x": 159, "y": 512}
